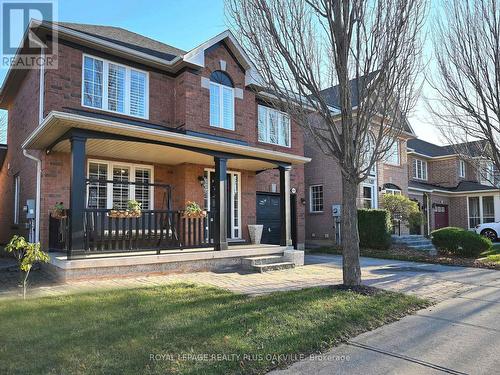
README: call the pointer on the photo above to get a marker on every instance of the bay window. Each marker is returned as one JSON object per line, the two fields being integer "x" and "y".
{"x": 273, "y": 126}
{"x": 481, "y": 209}
{"x": 114, "y": 87}
{"x": 116, "y": 194}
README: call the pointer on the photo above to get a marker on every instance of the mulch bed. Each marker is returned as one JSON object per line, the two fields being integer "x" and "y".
{"x": 360, "y": 289}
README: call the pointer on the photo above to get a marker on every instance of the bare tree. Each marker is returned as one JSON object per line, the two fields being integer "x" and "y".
{"x": 369, "y": 49}
{"x": 467, "y": 80}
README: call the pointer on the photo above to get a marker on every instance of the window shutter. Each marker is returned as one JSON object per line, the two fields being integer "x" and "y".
{"x": 228, "y": 108}
{"x": 137, "y": 93}
{"x": 116, "y": 88}
{"x": 214, "y": 105}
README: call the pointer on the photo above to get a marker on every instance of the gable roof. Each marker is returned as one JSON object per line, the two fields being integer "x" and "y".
{"x": 128, "y": 39}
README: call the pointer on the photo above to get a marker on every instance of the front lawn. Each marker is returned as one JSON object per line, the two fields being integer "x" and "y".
{"x": 493, "y": 255}
{"x": 180, "y": 328}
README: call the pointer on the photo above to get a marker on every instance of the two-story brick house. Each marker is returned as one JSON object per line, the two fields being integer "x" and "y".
{"x": 125, "y": 117}
{"x": 452, "y": 190}
{"x": 324, "y": 185}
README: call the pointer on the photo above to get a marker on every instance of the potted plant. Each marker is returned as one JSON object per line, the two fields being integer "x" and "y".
{"x": 193, "y": 210}
{"x": 133, "y": 210}
{"x": 59, "y": 211}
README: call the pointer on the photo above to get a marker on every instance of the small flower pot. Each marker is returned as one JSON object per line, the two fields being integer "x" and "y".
{"x": 59, "y": 214}
{"x": 194, "y": 215}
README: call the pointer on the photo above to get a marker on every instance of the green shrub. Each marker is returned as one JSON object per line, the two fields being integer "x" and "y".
{"x": 460, "y": 242}
{"x": 374, "y": 228}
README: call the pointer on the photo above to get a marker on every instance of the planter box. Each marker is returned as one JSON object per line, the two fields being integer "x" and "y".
{"x": 121, "y": 214}
{"x": 255, "y": 232}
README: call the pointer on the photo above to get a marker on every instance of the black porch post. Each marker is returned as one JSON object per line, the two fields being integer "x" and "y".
{"x": 286, "y": 225}
{"x": 77, "y": 194}
{"x": 220, "y": 227}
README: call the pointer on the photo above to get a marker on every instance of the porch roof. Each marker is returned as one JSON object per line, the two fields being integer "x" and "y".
{"x": 162, "y": 149}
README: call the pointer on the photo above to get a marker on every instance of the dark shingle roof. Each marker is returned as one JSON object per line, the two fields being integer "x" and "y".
{"x": 331, "y": 95}
{"x": 429, "y": 149}
{"x": 474, "y": 148}
{"x": 462, "y": 186}
{"x": 127, "y": 39}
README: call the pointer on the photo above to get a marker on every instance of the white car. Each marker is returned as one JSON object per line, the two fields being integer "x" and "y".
{"x": 490, "y": 230}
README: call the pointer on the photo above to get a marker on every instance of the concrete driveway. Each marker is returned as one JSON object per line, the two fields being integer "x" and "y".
{"x": 459, "y": 335}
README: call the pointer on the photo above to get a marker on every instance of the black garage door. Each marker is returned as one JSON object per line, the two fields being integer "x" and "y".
{"x": 268, "y": 214}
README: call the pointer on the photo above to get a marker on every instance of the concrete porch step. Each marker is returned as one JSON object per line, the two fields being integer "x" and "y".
{"x": 266, "y": 259}
{"x": 273, "y": 266}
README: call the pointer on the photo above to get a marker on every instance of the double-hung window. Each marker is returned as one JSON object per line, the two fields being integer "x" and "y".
{"x": 112, "y": 185}
{"x": 420, "y": 169}
{"x": 316, "y": 198}
{"x": 392, "y": 156}
{"x": 114, "y": 87}
{"x": 273, "y": 126}
{"x": 461, "y": 169}
{"x": 221, "y": 101}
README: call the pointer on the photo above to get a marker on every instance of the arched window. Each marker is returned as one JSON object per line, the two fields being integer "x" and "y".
{"x": 221, "y": 100}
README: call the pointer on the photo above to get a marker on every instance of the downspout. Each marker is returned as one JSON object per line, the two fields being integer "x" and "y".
{"x": 38, "y": 185}
{"x": 34, "y": 158}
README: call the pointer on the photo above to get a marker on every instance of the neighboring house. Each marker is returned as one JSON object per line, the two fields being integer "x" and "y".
{"x": 324, "y": 184}
{"x": 452, "y": 190}
{"x": 127, "y": 117}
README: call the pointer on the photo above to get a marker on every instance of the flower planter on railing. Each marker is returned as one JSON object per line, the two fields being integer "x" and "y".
{"x": 193, "y": 215}
{"x": 123, "y": 214}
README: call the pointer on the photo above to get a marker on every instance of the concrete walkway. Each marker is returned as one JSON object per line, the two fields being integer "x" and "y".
{"x": 459, "y": 335}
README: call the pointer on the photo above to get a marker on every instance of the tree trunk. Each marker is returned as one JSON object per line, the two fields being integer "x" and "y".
{"x": 350, "y": 235}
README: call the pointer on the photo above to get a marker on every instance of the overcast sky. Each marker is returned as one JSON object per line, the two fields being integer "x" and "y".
{"x": 185, "y": 24}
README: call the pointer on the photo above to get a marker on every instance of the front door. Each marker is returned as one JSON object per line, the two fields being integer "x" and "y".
{"x": 233, "y": 196}
{"x": 441, "y": 216}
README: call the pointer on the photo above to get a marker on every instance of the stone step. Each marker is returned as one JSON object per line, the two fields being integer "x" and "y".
{"x": 422, "y": 247}
{"x": 415, "y": 243}
{"x": 406, "y": 239}
{"x": 273, "y": 266}
{"x": 265, "y": 259}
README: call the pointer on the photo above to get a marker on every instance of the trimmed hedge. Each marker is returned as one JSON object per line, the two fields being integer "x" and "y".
{"x": 374, "y": 228}
{"x": 460, "y": 242}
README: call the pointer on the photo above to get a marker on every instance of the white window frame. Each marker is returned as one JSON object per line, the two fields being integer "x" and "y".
{"x": 481, "y": 210}
{"x": 373, "y": 198}
{"x": 233, "y": 225}
{"x": 221, "y": 88}
{"x": 393, "y": 191}
{"x": 268, "y": 128}
{"x": 461, "y": 169}
{"x": 17, "y": 197}
{"x": 311, "y": 210}
{"x": 487, "y": 173}
{"x": 109, "y": 188}
{"x": 416, "y": 175}
{"x": 105, "y": 73}
{"x": 391, "y": 153}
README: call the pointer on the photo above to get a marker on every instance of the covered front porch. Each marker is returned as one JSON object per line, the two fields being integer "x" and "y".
{"x": 215, "y": 172}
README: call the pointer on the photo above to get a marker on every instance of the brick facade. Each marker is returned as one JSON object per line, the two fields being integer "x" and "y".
{"x": 323, "y": 170}
{"x": 175, "y": 101}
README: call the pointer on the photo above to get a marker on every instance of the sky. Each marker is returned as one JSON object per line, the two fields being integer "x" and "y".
{"x": 183, "y": 24}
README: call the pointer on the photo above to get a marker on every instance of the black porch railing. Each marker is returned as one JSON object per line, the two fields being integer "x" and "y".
{"x": 153, "y": 230}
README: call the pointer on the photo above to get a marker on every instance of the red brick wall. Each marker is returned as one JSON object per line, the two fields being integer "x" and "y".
{"x": 458, "y": 212}
{"x": 63, "y": 87}
{"x": 22, "y": 119}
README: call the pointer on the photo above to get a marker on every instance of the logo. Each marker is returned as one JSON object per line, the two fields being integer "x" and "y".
{"x": 28, "y": 37}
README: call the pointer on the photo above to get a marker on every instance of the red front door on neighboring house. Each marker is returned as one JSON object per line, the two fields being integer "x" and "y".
{"x": 441, "y": 216}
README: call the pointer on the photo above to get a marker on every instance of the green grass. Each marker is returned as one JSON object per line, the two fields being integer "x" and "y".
{"x": 493, "y": 255}
{"x": 116, "y": 332}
